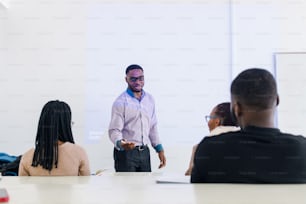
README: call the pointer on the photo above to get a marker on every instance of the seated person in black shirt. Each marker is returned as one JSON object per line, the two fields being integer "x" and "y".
{"x": 219, "y": 121}
{"x": 259, "y": 152}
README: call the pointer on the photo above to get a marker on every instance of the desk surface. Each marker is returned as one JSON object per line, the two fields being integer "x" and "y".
{"x": 142, "y": 188}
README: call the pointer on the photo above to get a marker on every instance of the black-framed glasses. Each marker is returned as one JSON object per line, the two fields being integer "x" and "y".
{"x": 209, "y": 117}
{"x": 134, "y": 79}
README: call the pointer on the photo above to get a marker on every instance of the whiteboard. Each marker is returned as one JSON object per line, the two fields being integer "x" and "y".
{"x": 290, "y": 70}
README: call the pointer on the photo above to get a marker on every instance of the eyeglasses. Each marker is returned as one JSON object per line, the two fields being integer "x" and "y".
{"x": 134, "y": 79}
{"x": 209, "y": 117}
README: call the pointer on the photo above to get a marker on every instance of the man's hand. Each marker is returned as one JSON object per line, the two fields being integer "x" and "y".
{"x": 127, "y": 145}
{"x": 162, "y": 159}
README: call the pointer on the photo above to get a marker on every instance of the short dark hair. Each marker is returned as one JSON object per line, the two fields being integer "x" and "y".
{"x": 54, "y": 124}
{"x": 133, "y": 66}
{"x": 223, "y": 110}
{"x": 255, "y": 88}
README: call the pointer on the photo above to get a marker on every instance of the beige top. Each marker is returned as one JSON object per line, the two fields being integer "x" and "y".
{"x": 72, "y": 161}
{"x": 223, "y": 129}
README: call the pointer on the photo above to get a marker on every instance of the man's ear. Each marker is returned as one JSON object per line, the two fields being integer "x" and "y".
{"x": 233, "y": 112}
{"x": 218, "y": 122}
{"x": 237, "y": 109}
{"x": 126, "y": 79}
{"x": 277, "y": 100}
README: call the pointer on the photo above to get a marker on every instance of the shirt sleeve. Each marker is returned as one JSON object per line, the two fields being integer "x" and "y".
{"x": 117, "y": 122}
{"x": 153, "y": 133}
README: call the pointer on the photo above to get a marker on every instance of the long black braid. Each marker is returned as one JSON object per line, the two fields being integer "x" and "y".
{"x": 54, "y": 125}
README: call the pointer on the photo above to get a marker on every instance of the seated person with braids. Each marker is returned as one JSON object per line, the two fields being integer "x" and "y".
{"x": 55, "y": 153}
{"x": 219, "y": 121}
{"x": 259, "y": 152}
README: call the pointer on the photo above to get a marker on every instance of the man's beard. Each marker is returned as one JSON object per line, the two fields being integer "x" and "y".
{"x": 137, "y": 91}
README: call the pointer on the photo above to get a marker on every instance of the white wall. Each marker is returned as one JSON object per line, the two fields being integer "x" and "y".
{"x": 181, "y": 60}
{"x": 77, "y": 51}
{"x": 42, "y": 57}
{"x": 262, "y": 28}
{"x": 291, "y": 87}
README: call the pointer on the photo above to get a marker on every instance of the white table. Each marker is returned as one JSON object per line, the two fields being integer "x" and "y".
{"x": 141, "y": 188}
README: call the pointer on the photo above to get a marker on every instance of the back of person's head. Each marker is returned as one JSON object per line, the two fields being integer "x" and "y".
{"x": 54, "y": 125}
{"x": 223, "y": 110}
{"x": 133, "y": 66}
{"x": 255, "y": 88}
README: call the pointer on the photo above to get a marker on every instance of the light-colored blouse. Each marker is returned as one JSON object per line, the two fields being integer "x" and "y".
{"x": 72, "y": 161}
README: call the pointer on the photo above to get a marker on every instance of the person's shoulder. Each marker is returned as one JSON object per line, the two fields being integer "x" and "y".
{"x": 77, "y": 147}
{"x": 29, "y": 152}
{"x": 121, "y": 96}
{"x": 223, "y": 129}
{"x": 70, "y": 145}
{"x": 223, "y": 137}
{"x": 293, "y": 136}
{"x": 228, "y": 134}
{"x": 286, "y": 134}
{"x": 121, "y": 99}
{"x": 28, "y": 155}
{"x": 73, "y": 148}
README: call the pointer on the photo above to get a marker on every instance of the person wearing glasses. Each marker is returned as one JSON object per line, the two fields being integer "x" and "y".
{"x": 259, "y": 152}
{"x": 55, "y": 152}
{"x": 219, "y": 121}
{"x": 133, "y": 126}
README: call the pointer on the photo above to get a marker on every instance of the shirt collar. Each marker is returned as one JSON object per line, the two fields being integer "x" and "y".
{"x": 261, "y": 130}
{"x": 131, "y": 93}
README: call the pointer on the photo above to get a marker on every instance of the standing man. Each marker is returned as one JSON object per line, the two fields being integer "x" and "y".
{"x": 134, "y": 125}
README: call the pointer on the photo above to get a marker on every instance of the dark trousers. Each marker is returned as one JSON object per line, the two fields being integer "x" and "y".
{"x": 135, "y": 160}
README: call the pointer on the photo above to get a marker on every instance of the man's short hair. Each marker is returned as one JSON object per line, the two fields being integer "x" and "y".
{"x": 256, "y": 88}
{"x": 133, "y": 66}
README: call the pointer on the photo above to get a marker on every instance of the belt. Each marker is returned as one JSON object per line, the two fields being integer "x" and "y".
{"x": 140, "y": 147}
